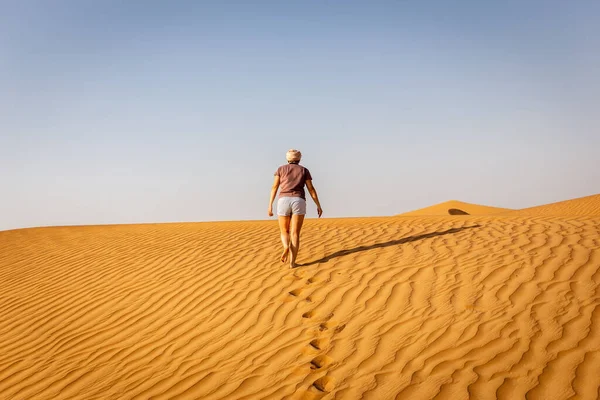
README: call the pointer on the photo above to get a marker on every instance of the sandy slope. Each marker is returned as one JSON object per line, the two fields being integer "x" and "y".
{"x": 583, "y": 206}
{"x": 455, "y": 207}
{"x": 400, "y": 307}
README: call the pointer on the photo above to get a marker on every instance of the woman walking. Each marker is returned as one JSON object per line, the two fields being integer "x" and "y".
{"x": 291, "y": 206}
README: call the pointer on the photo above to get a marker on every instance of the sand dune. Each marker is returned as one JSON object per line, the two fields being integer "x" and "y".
{"x": 475, "y": 306}
{"x": 455, "y": 207}
{"x": 583, "y": 206}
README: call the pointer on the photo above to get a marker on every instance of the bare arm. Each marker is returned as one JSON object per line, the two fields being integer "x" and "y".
{"x": 274, "y": 189}
{"x": 315, "y": 197}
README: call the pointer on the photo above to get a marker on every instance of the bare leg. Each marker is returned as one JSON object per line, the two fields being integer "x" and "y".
{"x": 284, "y": 228}
{"x": 295, "y": 227}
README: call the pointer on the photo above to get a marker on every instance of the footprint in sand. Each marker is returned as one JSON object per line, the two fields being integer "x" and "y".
{"x": 319, "y": 344}
{"x": 294, "y": 277}
{"x": 324, "y": 326}
{"x": 308, "y": 314}
{"x": 324, "y": 384}
{"x": 326, "y": 329}
{"x": 320, "y": 362}
{"x": 296, "y": 292}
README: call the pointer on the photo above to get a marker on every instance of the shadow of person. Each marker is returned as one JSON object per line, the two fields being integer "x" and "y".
{"x": 353, "y": 250}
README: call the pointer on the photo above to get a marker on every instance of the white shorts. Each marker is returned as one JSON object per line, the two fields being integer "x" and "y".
{"x": 287, "y": 206}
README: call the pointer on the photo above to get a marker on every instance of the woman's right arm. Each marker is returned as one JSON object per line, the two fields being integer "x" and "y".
{"x": 315, "y": 197}
{"x": 273, "y": 194}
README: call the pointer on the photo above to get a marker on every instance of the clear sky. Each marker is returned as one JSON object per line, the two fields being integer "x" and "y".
{"x": 152, "y": 111}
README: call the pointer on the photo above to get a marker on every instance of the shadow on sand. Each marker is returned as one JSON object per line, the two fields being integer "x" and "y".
{"x": 456, "y": 211}
{"x": 346, "y": 252}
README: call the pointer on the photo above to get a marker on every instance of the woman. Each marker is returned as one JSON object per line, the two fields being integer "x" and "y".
{"x": 291, "y": 206}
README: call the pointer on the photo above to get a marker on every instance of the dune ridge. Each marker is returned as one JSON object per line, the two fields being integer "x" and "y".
{"x": 486, "y": 307}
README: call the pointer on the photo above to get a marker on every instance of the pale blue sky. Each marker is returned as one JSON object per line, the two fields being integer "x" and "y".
{"x": 152, "y": 111}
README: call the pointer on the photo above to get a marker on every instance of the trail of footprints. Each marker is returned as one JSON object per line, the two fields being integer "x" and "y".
{"x": 325, "y": 331}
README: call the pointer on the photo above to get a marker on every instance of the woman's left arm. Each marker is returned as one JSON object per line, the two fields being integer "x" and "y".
{"x": 274, "y": 189}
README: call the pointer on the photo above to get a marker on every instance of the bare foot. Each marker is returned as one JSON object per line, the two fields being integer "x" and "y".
{"x": 293, "y": 265}
{"x": 284, "y": 255}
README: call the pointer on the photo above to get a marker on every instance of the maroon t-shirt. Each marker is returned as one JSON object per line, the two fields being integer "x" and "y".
{"x": 292, "y": 178}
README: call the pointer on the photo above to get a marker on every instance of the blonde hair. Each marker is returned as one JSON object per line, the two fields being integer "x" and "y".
{"x": 293, "y": 155}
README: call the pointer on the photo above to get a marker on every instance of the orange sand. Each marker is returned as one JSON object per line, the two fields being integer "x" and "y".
{"x": 479, "y": 306}
{"x": 584, "y": 206}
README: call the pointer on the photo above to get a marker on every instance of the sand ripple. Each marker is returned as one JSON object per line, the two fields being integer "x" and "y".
{"x": 403, "y": 307}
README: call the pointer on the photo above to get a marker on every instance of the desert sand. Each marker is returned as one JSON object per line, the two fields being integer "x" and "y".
{"x": 494, "y": 304}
